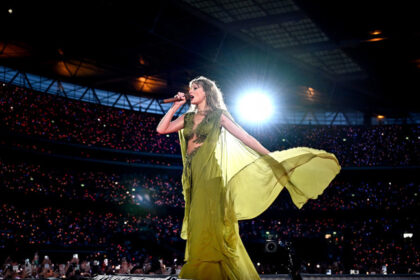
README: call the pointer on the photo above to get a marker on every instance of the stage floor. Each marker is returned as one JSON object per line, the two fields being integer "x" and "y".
{"x": 276, "y": 276}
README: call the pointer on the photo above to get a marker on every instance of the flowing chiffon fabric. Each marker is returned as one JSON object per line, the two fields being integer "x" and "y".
{"x": 225, "y": 181}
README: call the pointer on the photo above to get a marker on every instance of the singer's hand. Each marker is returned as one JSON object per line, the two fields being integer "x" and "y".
{"x": 182, "y": 99}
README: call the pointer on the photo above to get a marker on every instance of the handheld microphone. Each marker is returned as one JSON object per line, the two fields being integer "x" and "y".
{"x": 175, "y": 99}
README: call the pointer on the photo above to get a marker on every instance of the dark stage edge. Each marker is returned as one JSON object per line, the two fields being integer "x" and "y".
{"x": 274, "y": 276}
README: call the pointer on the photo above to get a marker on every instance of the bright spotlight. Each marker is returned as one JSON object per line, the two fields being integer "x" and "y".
{"x": 407, "y": 235}
{"x": 255, "y": 107}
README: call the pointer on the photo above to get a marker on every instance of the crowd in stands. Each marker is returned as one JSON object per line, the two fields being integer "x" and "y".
{"x": 357, "y": 222}
{"x": 56, "y": 118}
{"x": 95, "y": 186}
{"x": 380, "y": 145}
{"x": 374, "y": 237}
{"x": 86, "y": 267}
{"x": 68, "y": 227}
{"x": 90, "y": 154}
{"x": 360, "y": 195}
{"x": 365, "y": 243}
{"x": 72, "y": 121}
{"x": 163, "y": 189}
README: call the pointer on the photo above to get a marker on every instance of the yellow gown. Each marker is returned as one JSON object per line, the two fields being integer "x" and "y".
{"x": 225, "y": 181}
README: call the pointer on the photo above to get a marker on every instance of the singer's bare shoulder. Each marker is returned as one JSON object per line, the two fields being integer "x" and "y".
{"x": 234, "y": 129}
{"x": 225, "y": 121}
{"x": 174, "y": 126}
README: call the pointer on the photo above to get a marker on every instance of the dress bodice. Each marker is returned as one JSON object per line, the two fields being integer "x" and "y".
{"x": 202, "y": 130}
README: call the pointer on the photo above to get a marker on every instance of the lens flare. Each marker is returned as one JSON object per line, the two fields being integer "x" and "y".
{"x": 255, "y": 107}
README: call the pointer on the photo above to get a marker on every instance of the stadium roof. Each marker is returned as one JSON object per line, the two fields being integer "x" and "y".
{"x": 361, "y": 55}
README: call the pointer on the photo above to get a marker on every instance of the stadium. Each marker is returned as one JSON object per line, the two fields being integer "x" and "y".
{"x": 89, "y": 189}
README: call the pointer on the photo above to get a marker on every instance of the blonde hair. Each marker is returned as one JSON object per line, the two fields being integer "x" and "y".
{"x": 214, "y": 96}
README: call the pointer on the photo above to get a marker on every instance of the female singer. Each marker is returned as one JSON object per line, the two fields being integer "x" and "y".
{"x": 229, "y": 176}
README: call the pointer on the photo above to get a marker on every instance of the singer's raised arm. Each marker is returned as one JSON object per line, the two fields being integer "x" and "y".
{"x": 166, "y": 126}
{"x": 242, "y": 135}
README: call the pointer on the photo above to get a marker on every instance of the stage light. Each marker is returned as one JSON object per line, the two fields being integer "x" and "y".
{"x": 407, "y": 235}
{"x": 310, "y": 92}
{"x": 375, "y": 39}
{"x": 10, "y": 11}
{"x": 376, "y": 32}
{"x": 149, "y": 83}
{"x": 255, "y": 106}
{"x": 142, "y": 61}
{"x": 380, "y": 117}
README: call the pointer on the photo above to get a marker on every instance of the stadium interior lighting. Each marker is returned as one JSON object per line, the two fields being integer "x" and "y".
{"x": 375, "y": 39}
{"x": 310, "y": 91}
{"x": 407, "y": 235}
{"x": 255, "y": 106}
{"x": 376, "y": 32}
